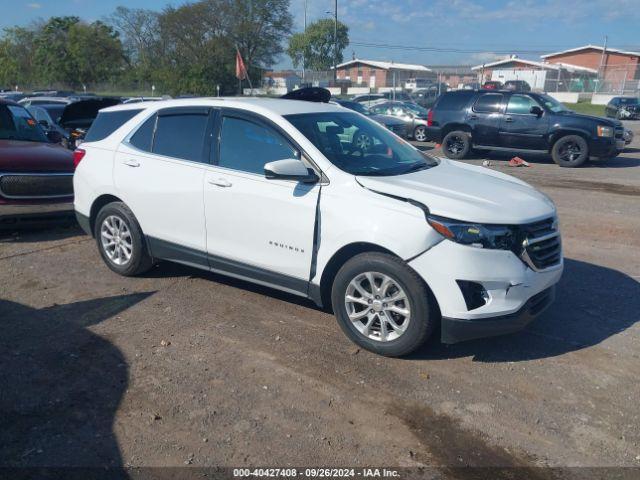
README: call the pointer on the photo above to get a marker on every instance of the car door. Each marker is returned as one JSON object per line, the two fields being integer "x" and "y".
{"x": 484, "y": 118}
{"x": 159, "y": 173}
{"x": 258, "y": 228}
{"x": 519, "y": 128}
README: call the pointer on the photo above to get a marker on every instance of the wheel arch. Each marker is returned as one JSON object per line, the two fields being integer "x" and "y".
{"x": 97, "y": 204}
{"x": 463, "y": 127}
{"x": 558, "y": 134}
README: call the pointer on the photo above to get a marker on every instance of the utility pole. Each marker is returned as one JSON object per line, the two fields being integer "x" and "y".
{"x": 335, "y": 42}
{"x": 603, "y": 66}
{"x": 304, "y": 60}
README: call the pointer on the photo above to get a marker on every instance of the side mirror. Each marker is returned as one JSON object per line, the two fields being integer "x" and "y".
{"x": 535, "y": 110}
{"x": 289, "y": 169}
{"x": 54, "y": 136}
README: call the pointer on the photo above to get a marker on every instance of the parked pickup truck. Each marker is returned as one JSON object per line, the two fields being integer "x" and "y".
{"x": 501, "y": 120}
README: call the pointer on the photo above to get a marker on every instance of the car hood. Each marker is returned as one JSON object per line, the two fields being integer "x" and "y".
{"x": 82, "y": 114}
{"x": 19, "y": 156}
{"x": 595, "y": 119}
{"x": 466, "y": 192}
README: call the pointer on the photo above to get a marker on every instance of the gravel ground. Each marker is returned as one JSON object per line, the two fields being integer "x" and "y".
{"x": 181, "y": 367}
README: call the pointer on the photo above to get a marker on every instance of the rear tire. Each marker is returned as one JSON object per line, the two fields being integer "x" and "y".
{"x": 420, "y": 133}
{"x": 456, "y": 144}
{"x": 120, "y": 240}
{"x": 570, "y": 151}
{"x": 371, "y": 317}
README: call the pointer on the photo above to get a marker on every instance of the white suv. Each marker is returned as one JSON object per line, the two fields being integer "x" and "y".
{"x": 280, "y": 193}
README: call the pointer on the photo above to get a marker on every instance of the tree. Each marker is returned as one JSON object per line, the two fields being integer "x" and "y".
{"x": 51, "y": 53}
{"x": 316, "y": 47}
{"x": 16, "y": 56}
{"x": 95, "y": 51}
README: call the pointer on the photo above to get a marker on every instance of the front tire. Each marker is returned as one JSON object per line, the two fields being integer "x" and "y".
{"x": 456, "y": 144}
{"x": 382, "y": 305}
{"x": 570, "y": 151}
{"x": 120, "y": 240}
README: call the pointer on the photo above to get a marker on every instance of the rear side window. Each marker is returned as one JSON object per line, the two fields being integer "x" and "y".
{"x": 488, "y": 103}
{"x": 247, "y": 146}
{"x": 143, "y": 138}
{"x": 108, "y": 122}
{"x": 454, "y": 101}
{"x": 181, "y": 136}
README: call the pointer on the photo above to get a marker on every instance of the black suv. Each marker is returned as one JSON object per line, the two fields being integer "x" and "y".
{"x": 501, "y": 120}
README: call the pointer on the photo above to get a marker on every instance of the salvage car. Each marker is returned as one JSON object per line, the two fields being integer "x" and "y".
{"x": 414, "y": 116}
{"x": 623, "y": 108}
{"x": 35, "y": 172}
{"x": 495, "y": 120}
{"x": 397, "y": 242}
{"x": 392, "y": 123}
{"x": 78, "y": 116}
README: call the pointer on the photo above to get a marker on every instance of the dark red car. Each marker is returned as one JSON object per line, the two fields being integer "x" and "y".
{"x": 36, "y": 173}
{"x": 492, "y": 85}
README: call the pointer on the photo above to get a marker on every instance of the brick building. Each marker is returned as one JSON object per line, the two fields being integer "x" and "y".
{"x": 617, "y": 68}
{"x": 375, "y": 74}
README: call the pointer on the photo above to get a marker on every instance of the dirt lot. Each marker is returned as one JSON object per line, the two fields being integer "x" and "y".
{"x": 182, "y": 367}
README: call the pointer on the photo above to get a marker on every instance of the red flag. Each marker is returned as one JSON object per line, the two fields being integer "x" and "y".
{"x": 241, "y": 71}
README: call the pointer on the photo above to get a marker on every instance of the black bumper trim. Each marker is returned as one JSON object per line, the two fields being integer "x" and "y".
{"x": 84, "y": 223}
{"x": 456, "y": 330}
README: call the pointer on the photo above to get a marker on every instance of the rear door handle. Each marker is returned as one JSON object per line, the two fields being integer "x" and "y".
{"x": 131, "y": 163}
{"x": 508, "y": 119}
{"x": 220, "y": 182}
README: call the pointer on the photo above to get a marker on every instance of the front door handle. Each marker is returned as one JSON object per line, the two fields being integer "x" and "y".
{"x": 220, "y": 182}
{"x": 508, "y": 119}
{"x": 473, "y": 117}
{"x": 131, "y": 163}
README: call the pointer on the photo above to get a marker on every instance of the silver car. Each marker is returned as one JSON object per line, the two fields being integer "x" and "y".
{"x": 413, "y": 115}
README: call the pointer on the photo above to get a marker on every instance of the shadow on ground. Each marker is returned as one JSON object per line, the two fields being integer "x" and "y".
{"x": 60, "y": 384}
{"x": 592, "y": 304}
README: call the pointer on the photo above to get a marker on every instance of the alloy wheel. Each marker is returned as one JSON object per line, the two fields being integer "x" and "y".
{"x": 377, "y": 306}
{"x": 455, "y": 144}
{"x": 116, "y": 240}
{"x": 363, "y": 142}
{"x": 570, "y": 151}
{"x": 420, "y": 134}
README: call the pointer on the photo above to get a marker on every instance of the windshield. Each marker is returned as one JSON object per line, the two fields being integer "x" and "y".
{"x": 553, "y": 105}
{"x": 358, "y": 145}
{"x": 17, "y": 124}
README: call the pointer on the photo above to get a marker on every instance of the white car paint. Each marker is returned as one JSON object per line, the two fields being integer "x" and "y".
{"x": 270, "y": 224}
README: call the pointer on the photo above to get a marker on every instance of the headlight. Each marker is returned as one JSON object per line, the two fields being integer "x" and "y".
{"x": 604, "y": 131}
{"x": 500, "y": 237}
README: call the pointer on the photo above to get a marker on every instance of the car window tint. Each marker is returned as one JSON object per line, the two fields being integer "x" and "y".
{"x": 521, "y": 104}
{"x": 454, "y": 100}
{"x": 488, "y": 103}
{"x": 181, "y": 136}
{"x": 247, "y": 146}
{"x": 143, "y": 137}
{"x": 108, "y": 122}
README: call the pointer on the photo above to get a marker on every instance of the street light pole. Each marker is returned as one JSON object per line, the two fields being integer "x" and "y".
{"x": 304, "y": 60}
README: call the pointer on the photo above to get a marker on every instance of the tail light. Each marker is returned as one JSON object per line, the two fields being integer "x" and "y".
{"x": 430, "y": 118}
{"x": 78, "y": 155}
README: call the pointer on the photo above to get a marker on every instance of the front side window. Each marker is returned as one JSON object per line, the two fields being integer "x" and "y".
{"x": 181, "y": 136}
{"x": 17, "y": 124}
{"x": 358, "y": 145}
{"x": 488, "y": 103}
{"x": 521, "y": 104}
{"x": 247, "y": 146}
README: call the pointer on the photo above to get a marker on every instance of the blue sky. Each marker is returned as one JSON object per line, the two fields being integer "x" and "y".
{"x": 475, "y": 31}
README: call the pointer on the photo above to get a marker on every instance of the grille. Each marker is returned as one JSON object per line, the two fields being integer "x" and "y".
{"x": 36, "y": 186}
{"x": 542, "y": 245}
